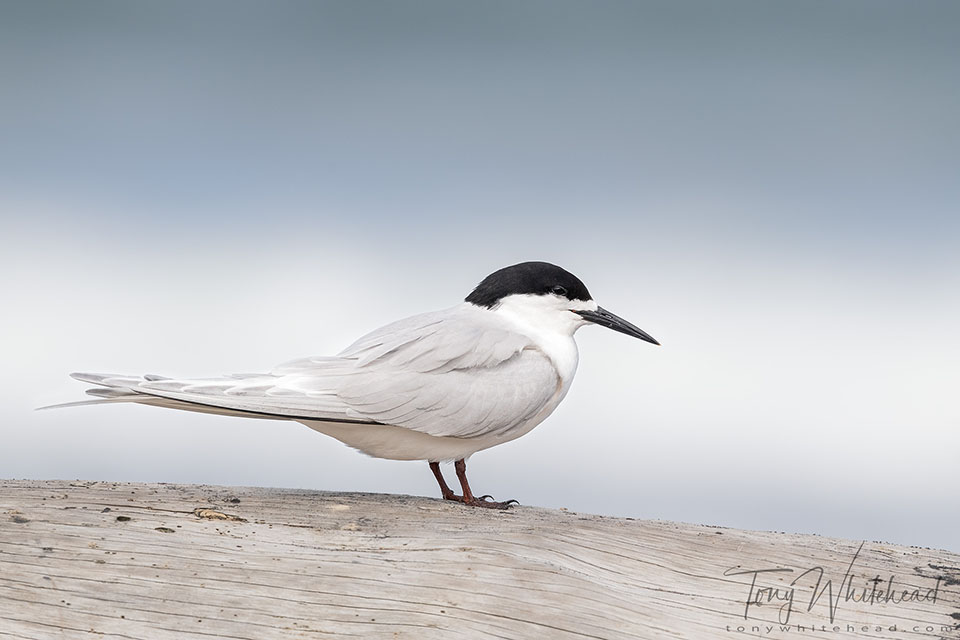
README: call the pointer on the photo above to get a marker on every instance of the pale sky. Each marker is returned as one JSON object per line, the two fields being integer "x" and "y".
{"x": 769, "y": 189}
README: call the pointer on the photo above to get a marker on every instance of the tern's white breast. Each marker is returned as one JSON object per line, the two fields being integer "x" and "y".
{"x": 548, "y": 325}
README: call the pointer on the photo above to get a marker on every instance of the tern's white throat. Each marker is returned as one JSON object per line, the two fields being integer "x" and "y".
{"x": 550, "y": 321}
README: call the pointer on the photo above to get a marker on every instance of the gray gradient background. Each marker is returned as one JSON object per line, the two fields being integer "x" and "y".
{"x": 771, "y": 189}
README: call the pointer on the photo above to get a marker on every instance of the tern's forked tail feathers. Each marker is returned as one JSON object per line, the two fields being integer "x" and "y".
{"x": 115, "y": 393}
{"x": 248, "y": 395}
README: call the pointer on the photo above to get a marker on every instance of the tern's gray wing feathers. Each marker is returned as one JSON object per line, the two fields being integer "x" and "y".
{"x": 454, "y": 373}
{"x": 463, "y": 402}
{"x": 457, "y": 373}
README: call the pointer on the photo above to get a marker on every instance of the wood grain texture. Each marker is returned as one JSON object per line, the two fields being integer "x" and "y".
{"x": 159, "y": 561}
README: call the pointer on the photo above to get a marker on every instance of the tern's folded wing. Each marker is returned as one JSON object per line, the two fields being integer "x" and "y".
{"x": 462, "y": 403}
{"x": 450, "y": 373}
{"x": 459, "y": 372}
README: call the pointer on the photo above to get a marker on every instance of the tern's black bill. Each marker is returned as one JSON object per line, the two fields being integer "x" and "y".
{"x": 604, "y": 318}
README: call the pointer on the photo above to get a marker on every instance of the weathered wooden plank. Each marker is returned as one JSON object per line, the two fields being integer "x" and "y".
{"x": 138, "y": 561}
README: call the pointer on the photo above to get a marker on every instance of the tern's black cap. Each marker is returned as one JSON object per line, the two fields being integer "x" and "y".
{"x": 537, "y": 278}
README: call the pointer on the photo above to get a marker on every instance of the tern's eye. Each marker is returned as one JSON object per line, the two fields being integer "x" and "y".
{"x": 558, "y": 290}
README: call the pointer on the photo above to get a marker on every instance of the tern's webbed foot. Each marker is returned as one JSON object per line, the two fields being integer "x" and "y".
{"x": 489, "y": 503}
{"x": 467, "y": 498}
{"x": 483, "y": 501}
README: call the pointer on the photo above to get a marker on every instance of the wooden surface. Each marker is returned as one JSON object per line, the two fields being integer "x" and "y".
{"x": 116, "y": 560}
